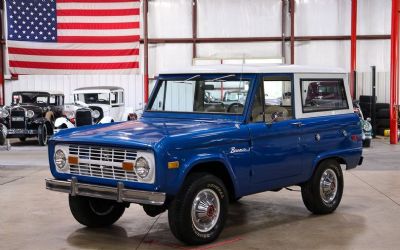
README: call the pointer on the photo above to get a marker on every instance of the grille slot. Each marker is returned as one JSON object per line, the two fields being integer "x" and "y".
{"x": 102, "y": 162}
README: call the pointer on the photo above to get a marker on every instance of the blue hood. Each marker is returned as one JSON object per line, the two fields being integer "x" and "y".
{"x": 145, "y": 133}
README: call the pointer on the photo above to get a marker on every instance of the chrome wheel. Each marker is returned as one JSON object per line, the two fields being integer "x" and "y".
{"x": 205, "y": 210}
{"x": 328, "y": 186}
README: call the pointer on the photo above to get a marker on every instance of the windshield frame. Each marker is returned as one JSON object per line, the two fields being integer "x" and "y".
{"x": 35, "y": 94}
{"x": 250, "y": 77}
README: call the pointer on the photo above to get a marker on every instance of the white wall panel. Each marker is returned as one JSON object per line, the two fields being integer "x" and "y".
{"x": 170, "y": 18}
{"x": 373, "y": 53}
{"x": 239, "y": 18}
{"x": 374, "y": 17}
{"x": 323, "y": 53}
{"x": 322, "y": 17}
{"x": 239, "y": 50}
{"x": 133, "y": 85}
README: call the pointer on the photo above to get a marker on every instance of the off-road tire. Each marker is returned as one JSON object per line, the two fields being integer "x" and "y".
{"x": 310, "y": 191}
{"x": 42, "y": 135}
{"x": 2, "y": 138}
{"x": 94, "y": 212}
{"x": 179, "y": 211}
{"x": 22, "y": 139}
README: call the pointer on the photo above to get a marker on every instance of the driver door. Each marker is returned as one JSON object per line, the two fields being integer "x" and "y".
{"x": 275, "y": 135}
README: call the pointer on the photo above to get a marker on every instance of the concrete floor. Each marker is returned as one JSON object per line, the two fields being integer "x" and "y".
{"x": 368, "y": 217}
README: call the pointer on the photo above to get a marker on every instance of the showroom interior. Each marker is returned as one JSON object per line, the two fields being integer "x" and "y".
{"x": 199, "y": 124}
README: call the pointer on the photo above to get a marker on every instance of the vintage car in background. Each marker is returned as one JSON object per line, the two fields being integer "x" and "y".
{"x": 95, "y": 105}
{"x": 181, "y": 157}
{"x": 31, "y": 114}
{"x": 365, "y": 125}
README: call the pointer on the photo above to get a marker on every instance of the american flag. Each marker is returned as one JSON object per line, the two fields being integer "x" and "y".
{"x": 73, "y": 36}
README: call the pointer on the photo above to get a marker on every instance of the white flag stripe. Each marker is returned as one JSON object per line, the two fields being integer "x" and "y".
{"x": 116, "y": 32}
{"x": 72, "y": 46}
{"x": 26, "y": 71}
{"x": 73, "y": 59}
{"x": 98, "y": 19}
{"x": 98, "y": 6}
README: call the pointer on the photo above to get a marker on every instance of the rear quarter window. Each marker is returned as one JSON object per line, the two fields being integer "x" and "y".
{"x": 323, "y": 95}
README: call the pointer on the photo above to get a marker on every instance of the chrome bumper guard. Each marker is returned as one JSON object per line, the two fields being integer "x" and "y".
{"x": 119, "y": 194}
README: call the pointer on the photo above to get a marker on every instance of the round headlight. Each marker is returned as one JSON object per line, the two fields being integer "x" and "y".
{"x": 367, "y": 126}
{"x": 4, "y": 113}
{"x": 142, "y": 167}
{"x": 69, "y": 114}
{"x": 95, "y": 114}
{"x": 30, "y": 113}
{"x": 60, "y": 159}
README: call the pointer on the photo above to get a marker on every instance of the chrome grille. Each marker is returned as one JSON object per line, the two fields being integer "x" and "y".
{"x": 102, "y": 162}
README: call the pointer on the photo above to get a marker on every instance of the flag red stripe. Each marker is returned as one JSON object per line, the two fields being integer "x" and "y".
{"x": 116, "y": 12}
{"x": 98, "y": 39}
{"x": 71, "y": 52}
{"x": 98, "y": 26}
{"x": 74, "y": 66}
{"x": 95, "y": 1}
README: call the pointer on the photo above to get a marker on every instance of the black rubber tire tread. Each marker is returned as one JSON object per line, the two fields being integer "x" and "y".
{"x": 42, "y": 135}
{"x": 82, "y": 212}
{"x": 179, "y": 211}
{"x": 367, "y": 143}
{"x": 383, "y": 123}
{"x": 2, "y": 139}
{"x": 22, "y": 139}
{"x": 383, "y": 114}
{"x": 310, "y": 190}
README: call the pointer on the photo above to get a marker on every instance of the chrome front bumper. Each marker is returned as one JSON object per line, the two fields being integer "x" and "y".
{"x": 119, "y": 193}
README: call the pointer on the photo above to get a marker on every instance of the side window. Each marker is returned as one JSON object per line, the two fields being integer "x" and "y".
{"x": 121, "y": 97}
{"x": 53, "y": 100}
{"x": 273, "y": 101}
{"x": 114, "y": 98}
{"x": 323, "y": 95}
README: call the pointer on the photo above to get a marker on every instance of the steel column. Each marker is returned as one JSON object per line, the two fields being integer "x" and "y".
{"x": 292, "y": 9}
{"x": 2, "y": 91}
{"x": 353, "y": 47}
{"x": 194, "y": 27}
{"x": 146, "y": 51}
{"x": 394, "y": 72}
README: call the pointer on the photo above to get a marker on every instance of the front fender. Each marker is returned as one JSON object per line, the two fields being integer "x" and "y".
{"x": 106, "y": 119}
{"x": 62, "y": 120}
{"x": 188, "y": 166}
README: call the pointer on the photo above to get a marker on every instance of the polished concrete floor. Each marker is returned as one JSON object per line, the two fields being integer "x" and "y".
{"x": 368, "y": 217}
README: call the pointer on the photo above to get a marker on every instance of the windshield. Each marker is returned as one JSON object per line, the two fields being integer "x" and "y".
{"x": 30, "y": 98}
{"x": 219, "y": 95}
{"x": 90, "y": 98}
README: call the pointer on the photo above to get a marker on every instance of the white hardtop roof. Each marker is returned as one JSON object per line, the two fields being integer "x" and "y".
{"x": 97, "y": 89}
{"x": 255, "y": 68}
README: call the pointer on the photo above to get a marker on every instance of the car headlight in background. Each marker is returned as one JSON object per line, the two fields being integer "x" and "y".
{"x": 367, "y": 126}
{"x": 3, "y": 113}
{"x": 30, "y": 113}
{"x": 142, "y": 167}
{"x": 95, "y": 114}
{"x": 69, "y": 114}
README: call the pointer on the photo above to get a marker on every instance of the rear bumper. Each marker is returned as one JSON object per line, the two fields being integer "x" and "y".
{"x": 119, "y": 193}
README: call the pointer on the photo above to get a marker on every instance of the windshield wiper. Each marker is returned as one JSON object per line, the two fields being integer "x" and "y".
{"x": 191, "y": 78}
{"x": 221, "y": 78}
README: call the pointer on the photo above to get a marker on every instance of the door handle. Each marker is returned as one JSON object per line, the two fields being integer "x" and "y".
{"x": 298, "y": 124}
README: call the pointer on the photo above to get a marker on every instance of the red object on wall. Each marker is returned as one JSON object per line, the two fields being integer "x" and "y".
{"x": 394, "y": 73}
{"x": 353, "y": 47}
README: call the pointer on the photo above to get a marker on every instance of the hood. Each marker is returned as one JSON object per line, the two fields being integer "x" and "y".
{"x": 37, "y": 110}
{"x": 145, "y": 133}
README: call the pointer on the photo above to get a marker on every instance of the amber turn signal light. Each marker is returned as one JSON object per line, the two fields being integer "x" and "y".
{"x": 73, "y": 160}
{"x": 173, "y": 164}
{"x": 128, "y": 166}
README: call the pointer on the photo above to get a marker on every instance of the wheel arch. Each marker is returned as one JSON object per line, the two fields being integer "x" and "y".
{"x": 320, "y": 160}
{"x": 218, "y": 168}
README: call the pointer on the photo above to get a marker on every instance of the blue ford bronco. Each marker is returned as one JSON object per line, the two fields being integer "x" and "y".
{"x": 191, "y": 153}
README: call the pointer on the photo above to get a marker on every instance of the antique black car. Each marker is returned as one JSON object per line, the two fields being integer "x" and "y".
{"x": 31, "y": 114}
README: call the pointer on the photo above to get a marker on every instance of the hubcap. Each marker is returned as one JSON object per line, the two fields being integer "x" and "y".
{"x": 205, "y": 210}
{"x": 100, "y": 207}
{"x": 328, "y": 186}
